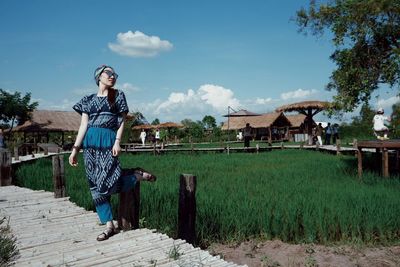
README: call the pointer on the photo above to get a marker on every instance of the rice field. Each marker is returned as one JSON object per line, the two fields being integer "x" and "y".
{"x": 294, "y": 195}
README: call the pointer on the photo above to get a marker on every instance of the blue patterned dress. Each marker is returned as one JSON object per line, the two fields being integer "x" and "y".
{"x": 102, "y": 169}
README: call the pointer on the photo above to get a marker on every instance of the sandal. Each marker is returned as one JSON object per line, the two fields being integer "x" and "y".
{"x": 145, "y": 175}
{"x": 109, "y": 232}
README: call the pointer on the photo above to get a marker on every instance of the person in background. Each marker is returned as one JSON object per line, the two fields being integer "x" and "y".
{"x": 318, "y": 133}
{"x": 239, "y": 136}
{"x": 328, "y": 134}
{"x": 2, "y": 143}
{"x": 157, "y": 136}
{"x": 143, "y": 137}
{"x": 379, "y": 124}
{"x": 247, "y": 133}
{"x": 102, "y": 123}
{"x": 335, "y": 131}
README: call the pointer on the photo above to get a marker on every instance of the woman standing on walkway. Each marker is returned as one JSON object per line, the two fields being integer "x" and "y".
{"x": 102, "y": 124}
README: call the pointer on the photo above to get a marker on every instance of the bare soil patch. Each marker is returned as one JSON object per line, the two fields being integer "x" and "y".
{"x": 277, "y": 253}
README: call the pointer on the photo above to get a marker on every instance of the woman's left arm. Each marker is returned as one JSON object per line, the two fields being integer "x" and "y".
{"x": 116, "y": 147}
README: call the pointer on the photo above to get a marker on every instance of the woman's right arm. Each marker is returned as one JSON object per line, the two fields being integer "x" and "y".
{"x": 79, "y": 138}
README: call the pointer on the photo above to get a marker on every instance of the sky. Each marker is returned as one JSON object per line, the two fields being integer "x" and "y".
{"x": 176, "y": 59}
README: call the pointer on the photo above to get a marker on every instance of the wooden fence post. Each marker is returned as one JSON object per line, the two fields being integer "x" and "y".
{"x": 187, "y": 208}
{"x": 257, "y": 148}
{"x": 129, "y": 208}
{"x": 5, "y": 167}
{"x": 16, "y": 155}
{"x": 338, "y": 147}
{"x": 58, "y": 176}
{"x": 355, "y": 146}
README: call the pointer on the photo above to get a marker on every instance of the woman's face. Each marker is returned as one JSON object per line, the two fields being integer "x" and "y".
{"x": 108, "y": 77}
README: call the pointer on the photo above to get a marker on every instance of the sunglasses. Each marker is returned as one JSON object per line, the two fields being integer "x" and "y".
{"x": 110, "y": 74}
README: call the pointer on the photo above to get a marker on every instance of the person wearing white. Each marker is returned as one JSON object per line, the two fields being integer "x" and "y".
{"x": 143, "y": 137}
{"x": 379, "y": 123}
{"x": 157, "y": 136}
{"x": 239, "y": 136}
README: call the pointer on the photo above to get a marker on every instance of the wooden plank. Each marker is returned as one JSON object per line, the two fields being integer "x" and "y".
{"x": 59, "y": 233}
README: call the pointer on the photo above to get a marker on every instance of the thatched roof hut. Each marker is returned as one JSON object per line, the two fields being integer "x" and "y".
{"x": 308, "y": 108}
{"x": 43, "y": 122}
{"x": 262, "y": 121}
{"x": 169, "y": 125}
{"x": 51, "y": 121}
{"x": 304, "y": 106}
{"x": 264, "y": 125}
{"x": 296, "y": 120}
{"x": 144, "y": 126}
{"x": 242, "y": 113}
{"x": 165, "y": 125}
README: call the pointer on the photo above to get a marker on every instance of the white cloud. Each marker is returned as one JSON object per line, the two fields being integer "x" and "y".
{"x": 138, "y": 44}
{"x": 299, "y": 93}
{"x": 207, "y": 100}
{"x": 129, "y": 88}
{"x": 218, "y": 97}
{"x": 387, "y": 103}
{"x": 65, "y": 104}
{"x": 263, "y": 101}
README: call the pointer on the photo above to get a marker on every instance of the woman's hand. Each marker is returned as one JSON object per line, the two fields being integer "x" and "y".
{"x": 72, "y": 158}
{"x": 116, "y": 149}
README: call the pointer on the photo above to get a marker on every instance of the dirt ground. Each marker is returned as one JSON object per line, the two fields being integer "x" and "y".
{"x": 277, "y": 253}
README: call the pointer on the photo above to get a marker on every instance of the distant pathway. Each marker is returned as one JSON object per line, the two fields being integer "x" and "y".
{"x": 56, "y": 232}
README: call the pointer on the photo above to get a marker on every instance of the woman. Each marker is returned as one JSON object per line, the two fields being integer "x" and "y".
{"x": 102, "y": 123}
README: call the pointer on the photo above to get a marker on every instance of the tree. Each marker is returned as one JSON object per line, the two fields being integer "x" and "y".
{"x": 209, "y": 122}
{"x": 365, "y": 118}
{"x": 193, "y": 129}
{"x": 15, "y": 109}
{"x": 138, "y": 119}
{"x": 155, "y": 122}
{"x": 395, "y": 120}
{"x": 366, "y": 36}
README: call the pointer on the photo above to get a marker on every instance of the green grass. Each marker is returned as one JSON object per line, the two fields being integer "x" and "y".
{"x": 8, "y": 247}
{"x": 294, "y": 195}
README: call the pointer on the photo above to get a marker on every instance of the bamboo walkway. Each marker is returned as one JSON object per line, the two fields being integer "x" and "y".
{"x": 55, "y": 232}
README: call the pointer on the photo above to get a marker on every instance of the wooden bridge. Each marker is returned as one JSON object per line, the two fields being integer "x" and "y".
{"x": 55, "y": 232}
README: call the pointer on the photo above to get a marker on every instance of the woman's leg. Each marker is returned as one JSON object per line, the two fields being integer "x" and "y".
{"x": 104, "y": 212}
